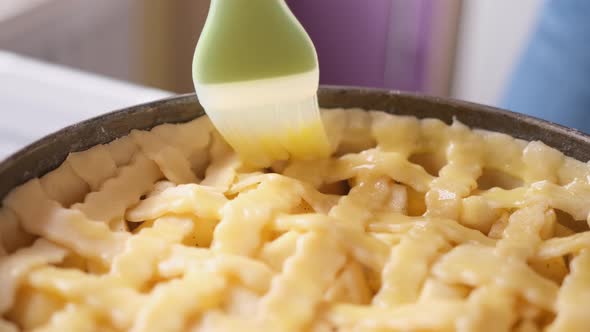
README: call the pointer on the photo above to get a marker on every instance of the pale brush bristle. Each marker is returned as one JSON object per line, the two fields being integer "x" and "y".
{"x": 268, "y": 119}
{"x": 264, "y": 134}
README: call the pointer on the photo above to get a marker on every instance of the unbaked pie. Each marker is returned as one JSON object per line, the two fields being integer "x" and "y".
{"x": 410, "y": 225}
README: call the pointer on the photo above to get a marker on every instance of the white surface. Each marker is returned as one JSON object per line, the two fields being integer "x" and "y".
{"x": 492, "y": 36}
{"x": 37, "y": 99}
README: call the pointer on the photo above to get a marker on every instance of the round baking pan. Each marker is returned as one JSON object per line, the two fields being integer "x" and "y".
{"x": 49, "y": 152}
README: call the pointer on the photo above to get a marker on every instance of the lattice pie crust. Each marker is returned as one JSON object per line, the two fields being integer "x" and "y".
{"x": 411, "y": 225}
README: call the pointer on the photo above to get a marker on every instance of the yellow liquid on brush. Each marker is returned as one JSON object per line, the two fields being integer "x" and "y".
{"x": 308, "y": 142}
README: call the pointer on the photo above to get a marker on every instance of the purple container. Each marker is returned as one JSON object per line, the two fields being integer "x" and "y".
{"x": 376, "y": 43}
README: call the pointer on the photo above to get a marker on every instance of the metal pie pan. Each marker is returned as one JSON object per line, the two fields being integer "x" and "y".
{"x": 49, "y": 152}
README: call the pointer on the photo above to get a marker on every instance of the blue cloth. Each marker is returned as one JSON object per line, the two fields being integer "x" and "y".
{"x": 552, "y": 79}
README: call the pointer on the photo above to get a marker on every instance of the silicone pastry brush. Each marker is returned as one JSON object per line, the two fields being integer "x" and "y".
{"x": 256, "y": 74}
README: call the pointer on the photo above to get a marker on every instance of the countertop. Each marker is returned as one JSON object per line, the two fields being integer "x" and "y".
{"x": 38, "y": 98}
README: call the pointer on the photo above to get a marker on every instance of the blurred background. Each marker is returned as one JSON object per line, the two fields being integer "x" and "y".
{"x": 464, "y": 49}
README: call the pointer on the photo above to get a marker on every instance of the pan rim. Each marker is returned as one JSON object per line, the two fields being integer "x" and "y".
{"x": 328, "y": 95}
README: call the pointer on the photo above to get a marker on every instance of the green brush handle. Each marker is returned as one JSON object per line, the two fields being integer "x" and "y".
{"x": 249, "y": 40}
